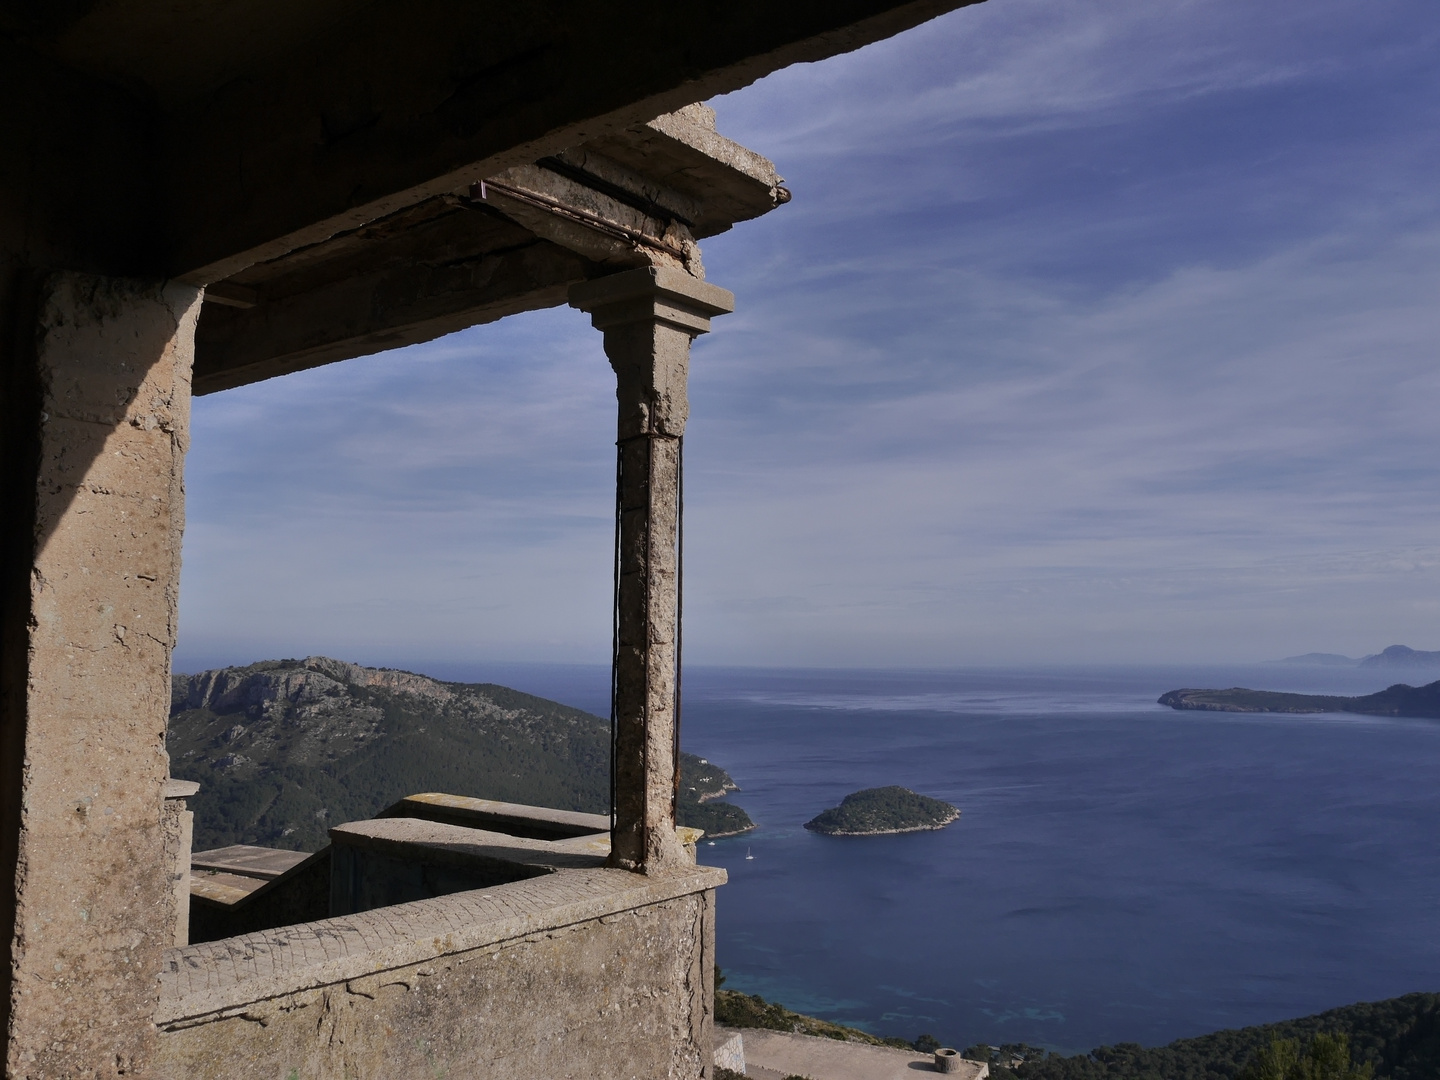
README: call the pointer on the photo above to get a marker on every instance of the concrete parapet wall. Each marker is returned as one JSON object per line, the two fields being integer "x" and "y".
{"x": 730, "y": 1051}
{"x": 588, "y": 974}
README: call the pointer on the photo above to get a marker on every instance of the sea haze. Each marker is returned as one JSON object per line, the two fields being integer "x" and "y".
{"x": 1121, "y": 871}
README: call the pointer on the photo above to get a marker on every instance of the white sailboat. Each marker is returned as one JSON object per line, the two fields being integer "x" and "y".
{"x": 747, "y": 854}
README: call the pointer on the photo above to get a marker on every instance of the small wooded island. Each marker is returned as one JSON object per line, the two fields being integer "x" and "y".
{"x": 882, "y": 810}
{"x": 1398, "y": 700}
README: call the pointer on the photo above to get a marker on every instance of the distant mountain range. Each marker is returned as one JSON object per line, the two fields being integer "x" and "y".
{"x": 1396, "y": 656}
{"x": 284, "y": 749}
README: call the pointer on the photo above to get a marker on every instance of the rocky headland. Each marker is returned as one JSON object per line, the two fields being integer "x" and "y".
{"x": 1397, "y": 700}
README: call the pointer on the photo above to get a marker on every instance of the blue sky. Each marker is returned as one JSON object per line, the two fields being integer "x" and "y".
{"x": 1095, "y": 332}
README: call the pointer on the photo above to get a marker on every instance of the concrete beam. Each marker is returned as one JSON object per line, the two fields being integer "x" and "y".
{"x": 79, "y": 171}
{"x": 385, "y": 308}
{"x": 589, "y": 222}
{"x": 451, "y": 262}
{"x": 403, "y": 100}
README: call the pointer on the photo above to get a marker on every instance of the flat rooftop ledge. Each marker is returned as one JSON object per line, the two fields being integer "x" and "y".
{"x": 415, "y": 838}
{"x": 783, "y": 1053}
{"x": 200, "y": 983}
{"x": 538, "y": 822}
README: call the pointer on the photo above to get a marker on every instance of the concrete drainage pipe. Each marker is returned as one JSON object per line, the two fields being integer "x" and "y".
{"x": 947, "y": 1060}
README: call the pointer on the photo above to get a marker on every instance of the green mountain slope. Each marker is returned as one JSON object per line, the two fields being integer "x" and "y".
{"x": 283, "y": 749}
{"x": 1397, "y": 700}
{"x": 1399, "y": 1037}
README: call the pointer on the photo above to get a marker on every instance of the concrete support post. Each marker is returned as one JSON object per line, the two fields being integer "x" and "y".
{"x": 178, "y": 826}
{"x": 704, "y": 1021}
{"x": 649, "y": 317}
{"x": 96, "y": 376}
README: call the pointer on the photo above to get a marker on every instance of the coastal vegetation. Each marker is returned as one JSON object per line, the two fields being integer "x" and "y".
{"x": 734, "y": 1009}
{"x": 1395, "y": 1039}
{"x": 1326, "y": 1058}
{"x": 283, "y": 749}
{"x": 1397, "y": 700}
{"x": 716, "y": 818}
{"x": 883, "y": 810}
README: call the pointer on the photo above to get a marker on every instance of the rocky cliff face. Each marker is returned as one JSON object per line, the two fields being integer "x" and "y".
{"x": 275, "y": 683}
{"x": 316, "y": 710}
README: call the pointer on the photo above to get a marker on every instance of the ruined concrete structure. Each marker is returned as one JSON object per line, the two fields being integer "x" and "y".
{"x": 449, "y": 934}
{"x": 196, "y": 197}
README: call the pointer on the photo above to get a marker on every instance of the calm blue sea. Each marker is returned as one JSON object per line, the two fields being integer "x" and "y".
{"x": 1121, "y": 871}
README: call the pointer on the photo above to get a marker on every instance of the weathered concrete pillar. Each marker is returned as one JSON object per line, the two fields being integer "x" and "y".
{"x": 649, "y": 317}
{"x": 96, "y": 375}
{"x": 178, "y": 827}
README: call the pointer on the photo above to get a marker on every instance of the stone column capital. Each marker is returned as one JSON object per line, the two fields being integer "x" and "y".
{"x": 652, "y": 294}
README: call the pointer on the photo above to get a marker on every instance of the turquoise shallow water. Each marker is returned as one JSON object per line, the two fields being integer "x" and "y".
{"x": 1121, "y": 871}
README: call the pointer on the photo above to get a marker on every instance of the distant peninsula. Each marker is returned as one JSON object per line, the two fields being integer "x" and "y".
{"x": 1397, "y": 700}
{"x": 881, "y": 811}
{"x": 1395, "y": 656}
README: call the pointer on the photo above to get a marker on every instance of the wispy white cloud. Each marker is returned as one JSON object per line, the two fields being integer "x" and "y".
{"x": 1096, "y": 331}
{"x": 1022, "y": 66}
